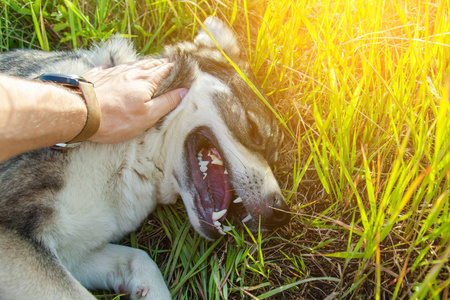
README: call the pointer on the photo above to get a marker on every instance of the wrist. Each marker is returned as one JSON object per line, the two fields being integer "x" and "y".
{"x": 86, "y": 90}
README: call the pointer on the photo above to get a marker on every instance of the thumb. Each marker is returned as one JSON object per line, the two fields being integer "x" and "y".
{"x": 165, "y": 103}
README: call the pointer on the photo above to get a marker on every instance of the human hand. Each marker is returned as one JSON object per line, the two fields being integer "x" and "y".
{"x": 125, "y": 92}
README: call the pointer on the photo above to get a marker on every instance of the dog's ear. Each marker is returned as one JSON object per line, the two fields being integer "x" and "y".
{"x": 222, "y": 34}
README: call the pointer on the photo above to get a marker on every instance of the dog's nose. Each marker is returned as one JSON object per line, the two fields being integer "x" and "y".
{"x": 280, "y": 213}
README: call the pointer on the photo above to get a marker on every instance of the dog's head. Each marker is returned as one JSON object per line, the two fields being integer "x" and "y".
{"x": 224, "y": 139}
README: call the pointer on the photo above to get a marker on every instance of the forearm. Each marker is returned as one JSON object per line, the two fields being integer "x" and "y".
{"x": 35, "y": 114}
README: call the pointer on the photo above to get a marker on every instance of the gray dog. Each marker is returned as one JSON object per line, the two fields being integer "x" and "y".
{"x": 60, "y": 211}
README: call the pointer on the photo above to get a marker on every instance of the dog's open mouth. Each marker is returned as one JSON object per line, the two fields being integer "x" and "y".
{"x": 215, "y": 200}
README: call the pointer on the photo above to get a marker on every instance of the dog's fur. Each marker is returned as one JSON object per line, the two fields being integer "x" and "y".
{"x": 60, "y": 211}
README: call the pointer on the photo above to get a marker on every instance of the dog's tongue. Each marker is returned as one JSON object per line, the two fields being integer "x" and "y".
{"x": 216, "y": 178}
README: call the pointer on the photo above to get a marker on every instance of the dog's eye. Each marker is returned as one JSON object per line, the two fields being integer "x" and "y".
{"x": 273, "y": 145}
{"x": 275, "y": 157}
{"x": 254, "y": 133}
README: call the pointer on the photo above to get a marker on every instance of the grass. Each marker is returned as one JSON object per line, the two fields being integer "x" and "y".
{"x": 365, "y": 164}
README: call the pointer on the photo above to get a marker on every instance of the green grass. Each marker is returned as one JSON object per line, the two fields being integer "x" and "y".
{"x": 366, "y": 158}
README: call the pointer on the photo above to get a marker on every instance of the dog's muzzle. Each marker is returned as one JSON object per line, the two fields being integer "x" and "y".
{"x": 215, "y": 202}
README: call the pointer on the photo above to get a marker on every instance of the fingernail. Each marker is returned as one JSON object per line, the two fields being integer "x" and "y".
{"x": 183, "y": 93}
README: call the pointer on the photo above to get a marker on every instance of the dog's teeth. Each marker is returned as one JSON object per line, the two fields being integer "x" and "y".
{"x": 204, "y": 175}
{"x": 221, "y": 231}
{"x": 216, "y": 160}
{"x": 226, "y": 228}
{"x": 246, "y": 219}
{"x": 203, "y": 165}
{"x": 225, "y": 172}
{"x": 238, "y": 200}
{"x": 217, "y": 223}
{"x": 218, "y": 214}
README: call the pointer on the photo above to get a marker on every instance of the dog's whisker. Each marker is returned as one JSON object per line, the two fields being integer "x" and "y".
{"x": 237, "y": 157}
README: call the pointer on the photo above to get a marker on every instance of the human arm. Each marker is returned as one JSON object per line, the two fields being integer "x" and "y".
{"x": 35, "y": 114}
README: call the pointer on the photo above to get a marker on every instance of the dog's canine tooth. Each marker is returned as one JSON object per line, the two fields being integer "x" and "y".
{"x": 246, "y": 219}
{"x": 204, "y": 175}
{"x": 225, "y": 172}
{"x": 238, "y": 200}
{"x": 218, "y": 214}
{"x": 216, "y": 160}
{"x": 221, "y": 231}
{"x": 217, "y": 224}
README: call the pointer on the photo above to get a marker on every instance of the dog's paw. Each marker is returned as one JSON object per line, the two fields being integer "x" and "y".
{"x": 126, "y": 270}
{"x": 147, "y": 292}
{"x": 145, "y": 281}
{"x": 142, "y": 292}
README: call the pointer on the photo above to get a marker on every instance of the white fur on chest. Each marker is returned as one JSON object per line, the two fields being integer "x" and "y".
{"x": 106, "y": 194}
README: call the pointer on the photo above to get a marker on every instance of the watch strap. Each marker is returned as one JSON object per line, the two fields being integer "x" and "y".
{"x": 93, "y": 112}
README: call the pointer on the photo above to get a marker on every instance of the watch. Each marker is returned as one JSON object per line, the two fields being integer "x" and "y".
{"x": 93, "y": 108}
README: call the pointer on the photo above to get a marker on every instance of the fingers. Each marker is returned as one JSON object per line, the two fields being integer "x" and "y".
{"x": 156, "y": 74}
{"x": 143, "y": 69}
{"x": 145, "y": 65}
{"x": 150, "y": 63}
{"x": 92, "y": 73}
{"x": 164, "y": 104}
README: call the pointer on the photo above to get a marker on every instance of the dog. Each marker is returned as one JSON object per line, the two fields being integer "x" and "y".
{"x": 60, "y": 212}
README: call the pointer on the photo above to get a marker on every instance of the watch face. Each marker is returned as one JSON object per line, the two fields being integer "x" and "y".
{"x": 63, "y": 79}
